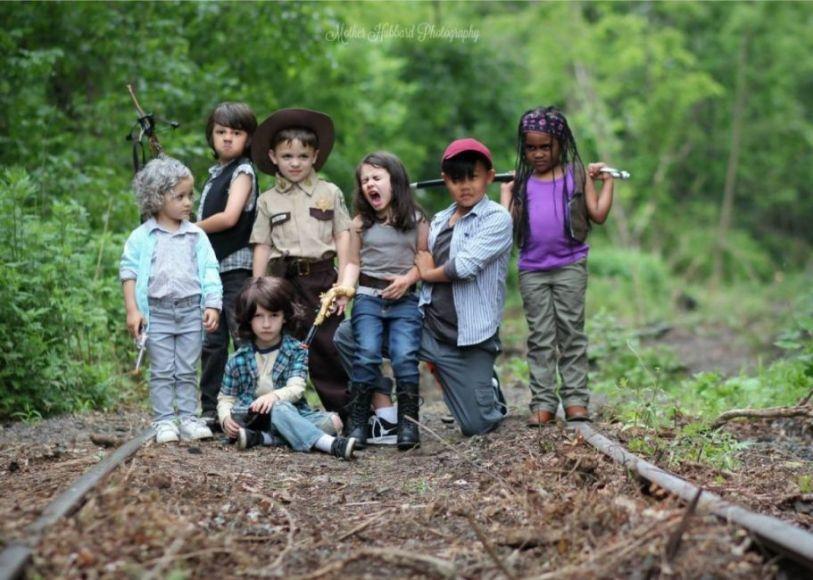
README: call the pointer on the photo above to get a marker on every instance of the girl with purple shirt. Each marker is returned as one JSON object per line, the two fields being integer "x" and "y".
{"x": 552, "y": 201}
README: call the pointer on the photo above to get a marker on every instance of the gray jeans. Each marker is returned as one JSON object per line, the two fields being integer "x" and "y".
{"x": 554, "y": 309}
{"x": 174, "y": 341}
{"x": 464, "y": 373}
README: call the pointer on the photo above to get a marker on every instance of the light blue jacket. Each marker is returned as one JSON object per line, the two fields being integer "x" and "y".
{"x": 137, "y": 257}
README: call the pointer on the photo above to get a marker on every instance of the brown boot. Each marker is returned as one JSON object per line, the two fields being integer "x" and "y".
{"x": 577, "y": 413}
{"x": 541, "y": 417}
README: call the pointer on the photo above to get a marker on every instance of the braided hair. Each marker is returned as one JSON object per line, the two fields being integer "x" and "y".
{"x": 543, "y": 120}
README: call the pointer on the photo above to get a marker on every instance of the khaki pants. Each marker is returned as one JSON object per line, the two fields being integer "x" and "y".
{"x": 554, "y": 308}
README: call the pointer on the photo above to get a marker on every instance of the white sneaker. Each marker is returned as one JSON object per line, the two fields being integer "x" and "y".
{"x": 382, "y": 432}
{"x": 495, "y": 384}
{"x": 166, "y": 431}
{"x": 193, "y": 428}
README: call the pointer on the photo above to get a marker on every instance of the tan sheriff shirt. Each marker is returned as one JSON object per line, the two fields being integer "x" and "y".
{"x": 302, "y": 219}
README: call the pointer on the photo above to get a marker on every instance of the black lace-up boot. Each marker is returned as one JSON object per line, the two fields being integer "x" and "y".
{"x": 362, "y": 398}
{"x": 408, "y": 402}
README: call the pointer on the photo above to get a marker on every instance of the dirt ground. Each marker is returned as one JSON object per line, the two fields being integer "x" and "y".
{"x": 518, "y": 503}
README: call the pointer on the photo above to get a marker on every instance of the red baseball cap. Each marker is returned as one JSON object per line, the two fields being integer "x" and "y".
{"x": 462, "y": 145}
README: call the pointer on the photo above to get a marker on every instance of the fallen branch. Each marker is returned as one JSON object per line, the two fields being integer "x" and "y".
{"x": 769, "y": 413}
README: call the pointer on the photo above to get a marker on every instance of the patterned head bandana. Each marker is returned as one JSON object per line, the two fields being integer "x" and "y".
{"x": 545, "y": 122}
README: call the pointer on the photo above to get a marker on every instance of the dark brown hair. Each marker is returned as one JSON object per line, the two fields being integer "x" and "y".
{"x": 403, "y": 207}
{"x": 304, "y": 135}
{"x": 234, "y": 116}
{"x": 273, "y": 294}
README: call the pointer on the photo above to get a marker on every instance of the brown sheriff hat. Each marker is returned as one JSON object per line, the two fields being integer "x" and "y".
{"x": 317, "y": 122}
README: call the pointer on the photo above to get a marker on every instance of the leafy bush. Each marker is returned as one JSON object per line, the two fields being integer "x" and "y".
{"x": 57, "y": 303}
{"x": 692, "y": 250}
{"x": 632, "y": 283}
{"x": 648, "y": 395}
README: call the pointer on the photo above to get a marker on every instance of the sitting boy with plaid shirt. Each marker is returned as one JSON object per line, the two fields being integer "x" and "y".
{"x": 262, "y": 396}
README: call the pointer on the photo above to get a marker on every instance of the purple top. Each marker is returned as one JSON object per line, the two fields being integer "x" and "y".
{"x": 548, "y": 246}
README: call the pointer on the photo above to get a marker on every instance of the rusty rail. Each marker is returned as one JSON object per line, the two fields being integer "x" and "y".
{"x": 16, "y": 556}
{"x": 782, "y": 537}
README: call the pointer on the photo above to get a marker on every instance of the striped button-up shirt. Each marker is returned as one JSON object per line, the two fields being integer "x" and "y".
{"x": 478, "y": 266}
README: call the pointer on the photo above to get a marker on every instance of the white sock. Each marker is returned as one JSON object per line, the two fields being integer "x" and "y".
{"x": 324, "y": 443}
{"x": 389, "y": 414}
{"x": 267, "y": 439}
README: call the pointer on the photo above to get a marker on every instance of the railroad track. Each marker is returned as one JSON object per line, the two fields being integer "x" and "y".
{"x": 786, "y": 539}
{"x": 16, "y": 556}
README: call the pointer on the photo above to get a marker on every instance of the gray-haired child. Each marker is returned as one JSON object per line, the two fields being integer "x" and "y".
{"x": 172, "y": 291}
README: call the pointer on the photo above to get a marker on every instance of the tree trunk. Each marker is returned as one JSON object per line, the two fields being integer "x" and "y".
{"x": 730, "y": 185}
{"x": 607, "y": 144}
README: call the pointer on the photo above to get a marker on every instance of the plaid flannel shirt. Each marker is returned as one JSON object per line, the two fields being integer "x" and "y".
{"x": 241, "y": 375}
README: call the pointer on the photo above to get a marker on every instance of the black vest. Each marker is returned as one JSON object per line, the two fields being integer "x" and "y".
{"x": 236, "y": 237}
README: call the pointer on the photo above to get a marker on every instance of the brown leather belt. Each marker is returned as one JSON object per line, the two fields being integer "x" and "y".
{"x": 378, "y": 283}
{"x": 291, "y": 267}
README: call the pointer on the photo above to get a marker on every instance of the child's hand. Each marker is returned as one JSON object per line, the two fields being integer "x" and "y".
{"x": 134, "y": 323}
{"x": 211, "y": 318}
{"x": 230, "y": 427}
{"x": 399, "y": 285}
{"x": 424, "y": 261}
{"x": 505, "y": 194}
{"x": 264, "y": 403}
{"x": 594, "y": 171}
{"x": 340, "y": 305}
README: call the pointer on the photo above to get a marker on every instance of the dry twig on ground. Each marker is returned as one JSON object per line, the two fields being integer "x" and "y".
{"x": 487, "y": 545}
{"x": 769, "y": 413}
{"x": 673, "y": 543}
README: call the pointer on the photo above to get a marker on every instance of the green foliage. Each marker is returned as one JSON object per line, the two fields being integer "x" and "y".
{"x": 692, "y": 443}
{"x": 631, "y": 283}
{"x": 744, "y": 258}
{"x": 622, "y": 362}
{"x": 648, "y": 86}
{"x": 648, "y": 394}
{"x": 646, "y": 386}
{"x": 58, "y": 343}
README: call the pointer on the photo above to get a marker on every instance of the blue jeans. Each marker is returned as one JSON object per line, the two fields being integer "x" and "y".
{"x": 399, "y": 322}
{"x": 465, "y": 373}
